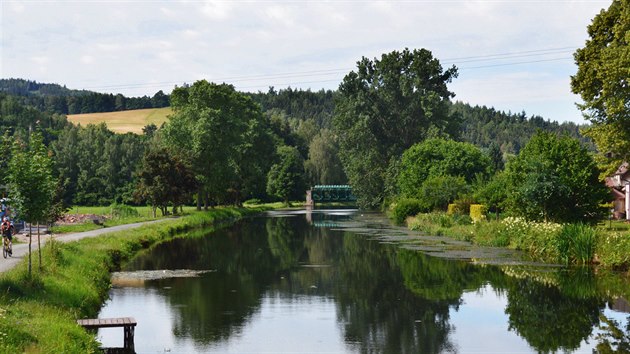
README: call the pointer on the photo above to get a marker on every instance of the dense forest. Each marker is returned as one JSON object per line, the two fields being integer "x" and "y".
{"x": 55, "y": 98}
{"x": 95, "y": 166}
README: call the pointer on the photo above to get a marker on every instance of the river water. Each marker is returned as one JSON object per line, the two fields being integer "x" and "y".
{"x": 345, "y": 281}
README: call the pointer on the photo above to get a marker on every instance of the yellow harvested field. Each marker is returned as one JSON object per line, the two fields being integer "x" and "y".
{"x": 124, "y": 121}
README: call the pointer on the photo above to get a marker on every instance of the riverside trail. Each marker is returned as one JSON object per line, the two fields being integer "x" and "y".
{"x": 20, "y": 250}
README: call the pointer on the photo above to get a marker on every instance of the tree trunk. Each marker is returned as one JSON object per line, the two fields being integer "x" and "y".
{"x": 39, "y": 247}
{"x": 30, "y": 241}
{"x": 199, "y": 195}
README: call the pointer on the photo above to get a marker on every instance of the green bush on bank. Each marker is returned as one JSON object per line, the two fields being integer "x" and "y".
{"x": 403, "y": 209}
{"x": 38, "y": 313}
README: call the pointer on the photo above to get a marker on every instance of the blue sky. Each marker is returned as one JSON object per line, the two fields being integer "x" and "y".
{"x": 512, "y": 55}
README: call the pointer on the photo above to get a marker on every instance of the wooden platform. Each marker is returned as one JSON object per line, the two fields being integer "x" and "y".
{"x": 128, "y": 323}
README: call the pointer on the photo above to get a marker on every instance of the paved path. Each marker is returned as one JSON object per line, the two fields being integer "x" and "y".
{"x": 20, "y": 251}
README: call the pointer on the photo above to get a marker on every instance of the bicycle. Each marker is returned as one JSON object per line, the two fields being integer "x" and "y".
{"x": 6, "y": 247}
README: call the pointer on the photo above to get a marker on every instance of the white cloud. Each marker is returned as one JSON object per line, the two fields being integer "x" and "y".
{"x": 87, "y": 59}
{"x": 138, "y": 42}
{"x": 216, "y": 10}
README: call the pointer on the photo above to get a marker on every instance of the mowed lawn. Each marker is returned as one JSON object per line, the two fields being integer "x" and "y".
{"x": 124, "y": 121}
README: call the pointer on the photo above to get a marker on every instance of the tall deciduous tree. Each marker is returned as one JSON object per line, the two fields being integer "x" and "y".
{"x": 323, "y": 164}
{"x": 210, "y": 125}
{"x": 383, "y": 108}
{"x": 555, "y": 179}
{"x": 603, "y": 80}
{"x": 164, "y": 179}
{"x": 286, "y": 177}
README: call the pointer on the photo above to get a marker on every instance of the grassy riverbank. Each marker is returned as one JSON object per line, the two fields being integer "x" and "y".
{"x": 544, "y": 241}
{"x": 38, "y": 313}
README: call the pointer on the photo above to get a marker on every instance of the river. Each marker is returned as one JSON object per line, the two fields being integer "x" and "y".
{"x": 345, "y": 281}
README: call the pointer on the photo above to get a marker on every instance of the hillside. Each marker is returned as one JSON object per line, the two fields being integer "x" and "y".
{"x": 124, "y": 121}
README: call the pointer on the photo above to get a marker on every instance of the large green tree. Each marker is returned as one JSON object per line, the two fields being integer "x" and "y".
{"x": 164, "y": 179}
{"x": 555, "y": 179}
{"x": 603, "y": 81}
{"x": 210, "y": 125}
{"x": 323, "y": 164}
{"x": 383, "y": 108}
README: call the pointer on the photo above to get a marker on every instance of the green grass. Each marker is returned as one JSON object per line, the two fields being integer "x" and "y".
{"x": 38, "y": 312}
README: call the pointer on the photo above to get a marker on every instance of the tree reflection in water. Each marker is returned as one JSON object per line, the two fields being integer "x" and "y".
{"x": 389, "y": 299}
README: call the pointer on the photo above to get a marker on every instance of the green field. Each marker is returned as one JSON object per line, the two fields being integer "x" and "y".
{"x": 124, "y": 121}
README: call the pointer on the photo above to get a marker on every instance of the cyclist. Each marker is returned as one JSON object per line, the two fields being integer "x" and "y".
{"x": 6, "y": 230}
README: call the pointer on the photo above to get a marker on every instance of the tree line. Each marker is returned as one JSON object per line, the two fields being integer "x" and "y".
{"x": 58, "y": 99}
{"x": 221, "y": 146}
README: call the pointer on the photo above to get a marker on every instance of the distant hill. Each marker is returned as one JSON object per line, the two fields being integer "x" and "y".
{"x": 54, "y": 98}
{"x": 124, "y": 121}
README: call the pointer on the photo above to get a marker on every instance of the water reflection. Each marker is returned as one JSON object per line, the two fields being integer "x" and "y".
{"x": 281, "y": 284}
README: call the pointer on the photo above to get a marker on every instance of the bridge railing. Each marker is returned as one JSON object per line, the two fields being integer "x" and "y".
{"x": 329, "y": 193}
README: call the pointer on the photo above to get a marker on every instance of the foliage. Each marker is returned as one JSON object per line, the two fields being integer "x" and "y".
{"x": 555, "y": 179}
{"x": 383, "y": 108}
{"x": 493, "y": 193}
{"x": 485, "y": 126}
{"x": 404, "y": 208}
{"x": 438, "y": 191}
{"x": 440, "y": 157}
{"x": 613, "y": 249}
{"x": 576, "y": 243}
{"x": 285, "y": 179}
{"x": 602, "y": 82}
{"x": 300, "y": 104}
{"x": 165, "y": 179}
{"x": 31, "y": 184}
{"x": 59, "y": 99}
{"x": 215, "y": 127}
{"x": 96, "y": 166}
{"x": 121, "y": 211}
{"x": 323, "y": 164}
{"x": 603, "y": 68}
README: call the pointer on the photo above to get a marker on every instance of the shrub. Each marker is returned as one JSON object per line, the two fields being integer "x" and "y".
{"x": 452, "y": 209}
{"x": 478, "y": 212}
{"x": 576, "y": 243}
{"x": 613, "y": 249}
{"x": 438, "y": 191}
{"x": 121, "y": 211}
{"x": 405, "y": 208}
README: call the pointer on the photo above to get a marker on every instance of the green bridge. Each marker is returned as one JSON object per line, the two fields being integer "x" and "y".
{"x": 329, "y": 193}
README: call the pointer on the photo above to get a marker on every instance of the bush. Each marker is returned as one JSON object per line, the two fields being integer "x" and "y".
{"x": 438, "y": 191}
{"x": 576, "y": 243}
{"x": 613, "y": 250}
{"x": 121, "y": 211}
{"x": 405, "y": 208}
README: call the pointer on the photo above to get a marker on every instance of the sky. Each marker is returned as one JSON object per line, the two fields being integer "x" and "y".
{"x": 513, "y": 55}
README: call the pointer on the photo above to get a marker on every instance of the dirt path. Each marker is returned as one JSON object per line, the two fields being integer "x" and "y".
{"x": 20, "y": 251}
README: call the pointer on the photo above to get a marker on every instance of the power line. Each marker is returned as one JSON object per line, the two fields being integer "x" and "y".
{"x": 490, "y": 58}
